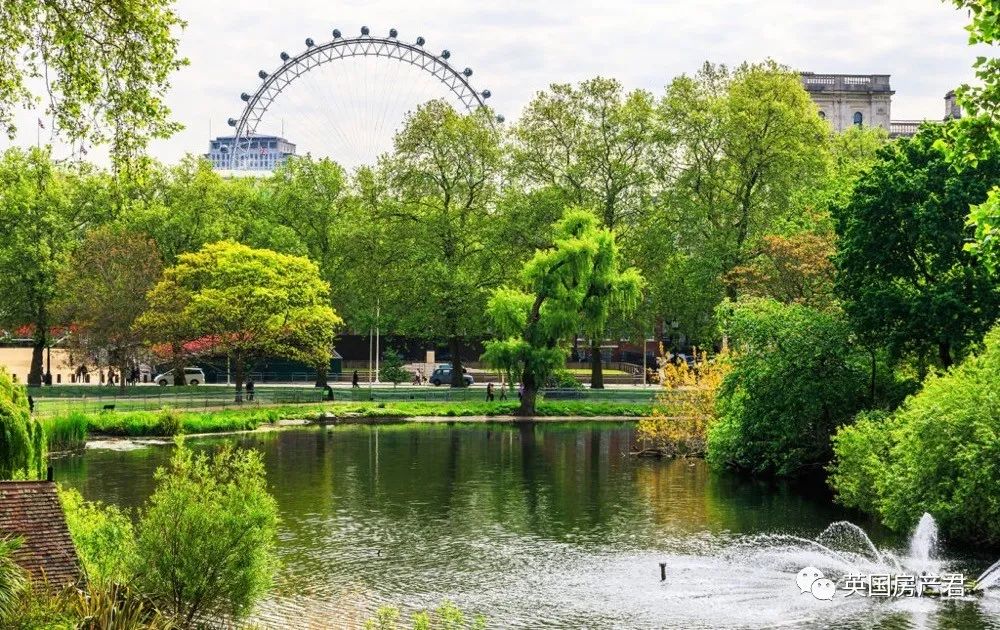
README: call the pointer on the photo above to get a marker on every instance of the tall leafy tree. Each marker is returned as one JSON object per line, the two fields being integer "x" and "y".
{"x": 102, "y": 292}
{"x": 245, "y": 303}
{"x": 749, "y": 141}
{"x": 903, "y": 273}
{"x": 105, "y": 66}
{"x": 581, "y": 275}
{"x": 443, "y": 180}
{"x": 596, "y": 146}
{"x": 44, "y": 210}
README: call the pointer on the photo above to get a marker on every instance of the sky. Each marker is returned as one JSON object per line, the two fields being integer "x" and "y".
{"x": 517, "y": 48}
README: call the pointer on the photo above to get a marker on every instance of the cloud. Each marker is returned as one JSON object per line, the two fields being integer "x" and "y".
{"x": 519, "y": 47}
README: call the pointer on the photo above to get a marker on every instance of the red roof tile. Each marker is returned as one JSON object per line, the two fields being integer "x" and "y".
{"x": 31, "y": 509}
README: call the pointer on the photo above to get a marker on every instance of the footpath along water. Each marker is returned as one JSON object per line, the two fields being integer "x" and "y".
{"x": 554, "y": 525}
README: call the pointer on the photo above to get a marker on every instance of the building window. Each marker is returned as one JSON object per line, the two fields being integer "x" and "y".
{"x": 858, "y": 118}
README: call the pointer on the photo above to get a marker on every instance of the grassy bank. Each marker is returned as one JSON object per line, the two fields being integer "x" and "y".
{"x": 70, "y": 431}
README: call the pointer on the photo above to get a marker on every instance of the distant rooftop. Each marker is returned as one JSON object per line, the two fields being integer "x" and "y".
{"x": 846, "y": 82}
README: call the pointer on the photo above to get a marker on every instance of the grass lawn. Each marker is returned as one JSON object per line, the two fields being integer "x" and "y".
{"x": 69, "y": 430}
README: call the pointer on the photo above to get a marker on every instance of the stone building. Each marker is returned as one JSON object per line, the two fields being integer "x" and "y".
{"x": 863, "y": 99}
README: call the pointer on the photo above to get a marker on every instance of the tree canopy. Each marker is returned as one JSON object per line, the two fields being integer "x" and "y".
{"x": 244, "y": 303}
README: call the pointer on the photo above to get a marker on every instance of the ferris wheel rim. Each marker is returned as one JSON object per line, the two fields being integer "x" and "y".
{"x": 364, "y": 45}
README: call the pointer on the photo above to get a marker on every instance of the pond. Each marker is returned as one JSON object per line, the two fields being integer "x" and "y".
{"x": 544, "y": 525}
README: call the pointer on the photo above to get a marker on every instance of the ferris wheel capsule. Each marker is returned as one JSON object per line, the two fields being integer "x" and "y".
{"x": 467, "y": 72}
{"x": 231, "y": 122}
{"x": 393, "y": 33}
{"x": 421, "y": 41}
{"x": 500, "y": 118}
{"x": 336, "y": 33}
{"x": 445, "y": 54}
{"x": 262, "y": 74}
{"x": 486, "y": 94}
{"x": 284, "y": 56}
{"x": 244, "y": 97}
{"x": 309, "y": 42}
{"x": 365, "y": 30}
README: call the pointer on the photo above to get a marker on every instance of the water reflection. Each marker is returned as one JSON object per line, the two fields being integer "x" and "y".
{"x": 533, "y": 525}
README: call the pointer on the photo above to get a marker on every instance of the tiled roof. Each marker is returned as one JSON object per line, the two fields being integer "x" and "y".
{"x": 31, "y": 509}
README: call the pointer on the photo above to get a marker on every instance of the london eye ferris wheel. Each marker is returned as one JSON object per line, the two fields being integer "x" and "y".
{"x": 343, "y": 99}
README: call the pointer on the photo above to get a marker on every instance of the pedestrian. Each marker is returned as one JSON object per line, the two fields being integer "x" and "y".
{"x": 249, "y": 389}
{"x": 354, "y": 379}
{"x": 489, "y": 392}
{"x": 520, "y": 391}
{"x": 503, "y": 392}
{"x": 31, "y": 404}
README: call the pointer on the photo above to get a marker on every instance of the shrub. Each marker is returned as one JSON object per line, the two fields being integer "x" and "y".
{"x": 169, "y": 422}
{"x": 103, "y": 536}
{"x": 207, "y": 536}
{"x": 685, "y": 410}
{"x": 561, "y": 378}
{"x": 939, "y": 453}
{"x": 447, "y": 616}
{"x": 795, "y": 378}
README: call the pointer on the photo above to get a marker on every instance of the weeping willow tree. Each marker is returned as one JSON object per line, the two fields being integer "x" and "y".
{"x": 22, "y": 439}
{"x": 579, "y": 278}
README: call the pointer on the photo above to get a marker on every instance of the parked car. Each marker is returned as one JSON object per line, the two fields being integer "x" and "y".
{"x": 192, "y": 376}
{"x": 443, "y": 375}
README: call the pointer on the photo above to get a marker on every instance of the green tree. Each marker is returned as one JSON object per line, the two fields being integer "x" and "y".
{"x": 902, "y": 270}
{"x": 975, "y": 137}
{"x": 102, "y": 292}
{"x": 104, "y": 65}
{"x": 597, "y": 147}
{"x": 22, "y": 439}
{"x": 206, "y": 539}
{"x": 795, "y": 378}
{"x": 45, "y": 210}
{"x": 443, "y": 180}
{"x": 244, "y": 303}
{"x": 579, "y": 276}
{"x": 749, "y": 145}
{"x": 392, "y": 369}
{"x": 937, "y": 453}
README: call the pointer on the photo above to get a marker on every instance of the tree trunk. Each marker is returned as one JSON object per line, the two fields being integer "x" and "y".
{"x": 238, "y": 376}
{"x": 38, "y": 342}
{"x": 177, "y": 364}
{"x": 457, "y": 373}
{"x": 122, "y": 373}
{"x": 944, "y": 354}
{"x": 596, "y": 367}
{"x": 321, "y": 370}
{"x": 528, "y": 398}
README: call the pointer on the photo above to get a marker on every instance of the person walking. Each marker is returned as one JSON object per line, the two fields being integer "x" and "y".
{"x": 489, "y": 392}
{"x": 250, "y": 387}
{"x": 354, "y": 379}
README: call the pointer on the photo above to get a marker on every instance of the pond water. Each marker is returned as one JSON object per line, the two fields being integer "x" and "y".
{"x": 544, "y": 525}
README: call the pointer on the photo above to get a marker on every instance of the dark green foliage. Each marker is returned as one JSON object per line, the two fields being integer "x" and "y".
{"x": 13, "y": 580}
{"x": 795, "y": 378}
{"x": 903, "y": 272}
{"x": 938, "y": 453}
{"x": 392, "y": 369}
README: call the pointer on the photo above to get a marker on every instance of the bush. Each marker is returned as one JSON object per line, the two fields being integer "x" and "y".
{"x": 446, "y": 617}
{"x": 561, "y": 378}
{"x": 206, "y": 538}
{"x": 939, "y": 453}
{"x": 104, "y": 539}
{"x": 169, "y": 422}
{"x": 795, "y": 378}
